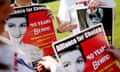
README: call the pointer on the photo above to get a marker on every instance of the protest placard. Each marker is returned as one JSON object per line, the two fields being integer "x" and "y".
{"x": 85, "y": 52}
{"x": 31, "y": 28}
{"x": 105, "y": 15}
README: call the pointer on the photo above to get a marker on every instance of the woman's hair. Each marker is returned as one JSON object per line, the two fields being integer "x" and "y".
{"x": 72, "y": 48}
{"x": 4, "y": 66}
{"x": 19, "y": 16}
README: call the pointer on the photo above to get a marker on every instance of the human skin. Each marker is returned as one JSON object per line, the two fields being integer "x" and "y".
{"x": 22, "y": 2}
{"x": 115, "y": 52}
{"x": 46, "y": 64}
{"x": 66, "y": 26}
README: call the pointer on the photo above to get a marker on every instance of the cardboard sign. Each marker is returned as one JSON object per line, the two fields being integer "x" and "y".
{"x": 104, "y": 15}
{"x": 85, "y": 52}
{"x": 31, "y": 28}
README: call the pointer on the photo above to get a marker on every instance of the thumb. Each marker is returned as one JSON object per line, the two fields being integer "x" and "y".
{"x": 58, "y": 20}
{"x": 109, "y": 50}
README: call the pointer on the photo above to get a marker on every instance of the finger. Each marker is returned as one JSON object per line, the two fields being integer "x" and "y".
{"x": 92, "y": 4}
{"x": 112, "y": 47}
{"x": 71, "y": 27}
{"x": 40, "y": 67}
{"x": 68, "y": 27}
{"x": 49, "y": 59}
{"x": 109, "y": 50}
{"x": 58, "y": 20}
{"x": 96, "y": 4}
{"x": 45, "y": 64}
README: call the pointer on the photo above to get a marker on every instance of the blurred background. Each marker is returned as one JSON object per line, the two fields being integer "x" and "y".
{"x": 54, "y": 6}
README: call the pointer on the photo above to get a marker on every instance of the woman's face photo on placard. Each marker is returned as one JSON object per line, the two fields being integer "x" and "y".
{"x": 16, "y": 27}
{"x": 73, "y": 60}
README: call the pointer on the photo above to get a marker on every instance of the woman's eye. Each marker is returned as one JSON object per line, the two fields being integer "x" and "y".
{"x": 81, "y": 60}
{"x": 23, "y": 25}
{"x": 11, "y": 25}
{"x": 66, "y": 65}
